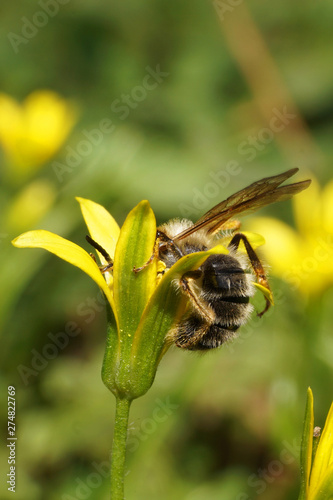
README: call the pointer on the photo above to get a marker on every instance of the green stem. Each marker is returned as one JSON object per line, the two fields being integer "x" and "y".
{"x": 119, "y": 449}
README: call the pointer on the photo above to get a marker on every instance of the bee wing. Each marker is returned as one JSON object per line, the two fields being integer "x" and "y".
{"x": 249, "y": 199}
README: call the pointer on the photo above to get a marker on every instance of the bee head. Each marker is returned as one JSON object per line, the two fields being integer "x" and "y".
{"x": 223, "y": 273}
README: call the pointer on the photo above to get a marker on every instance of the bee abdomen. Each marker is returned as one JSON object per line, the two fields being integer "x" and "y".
{"x": 215, "y": 336}
{"x": 231, "y": 311}
{"x": 194, "y": 334}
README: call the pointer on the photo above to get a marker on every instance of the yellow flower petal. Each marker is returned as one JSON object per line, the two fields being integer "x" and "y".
{"x": 327, "y": 207}
{"x": 66, "y": 250}
{"x": 283, "y": 245}
{"x": 101, "y": 225}
{"x": 255, "y": 240}
{"x": 33, "y": 132}
{"x": 49, "y": 117}
{"x": 307, "y": 208}
{"x": 10, "y": 120}
{"x": 265, "y": 291}
{"x": 323, "y": 461}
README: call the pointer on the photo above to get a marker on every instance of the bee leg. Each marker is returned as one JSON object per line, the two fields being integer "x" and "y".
{"x": 163, "y": 243}
{"x": 146, "y": 264}
{"x": 93, "y": 257}
{"x": 186, "y": 283}
{"x": 151, "y": 258}
{"x": 107, "y": 267}
{"x": 102, "y": 251}
{"x": 255, "y": 263}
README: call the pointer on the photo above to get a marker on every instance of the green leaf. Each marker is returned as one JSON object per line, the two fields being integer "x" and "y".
{"x": 132, "y": 290}
{"x": 131, "y": 293}
{"x": 163, "y": 309}
{"x": 306, "y": 446}
{"x": 112, "y": 358}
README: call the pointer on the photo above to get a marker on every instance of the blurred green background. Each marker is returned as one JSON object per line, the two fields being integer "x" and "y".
{"x": 155, "y": 100}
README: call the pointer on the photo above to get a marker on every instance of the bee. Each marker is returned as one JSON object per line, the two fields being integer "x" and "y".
{"x": 219, "y": 291}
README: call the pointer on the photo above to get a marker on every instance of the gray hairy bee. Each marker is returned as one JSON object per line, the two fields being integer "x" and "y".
{"x": 218, "y": 293}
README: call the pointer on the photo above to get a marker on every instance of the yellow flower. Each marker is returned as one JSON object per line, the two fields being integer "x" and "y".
{"x": 316, "y": 458}
{"x": 33, "y": 132}
{"x": 142, "y": 308}
{"x": 302, "y": 257}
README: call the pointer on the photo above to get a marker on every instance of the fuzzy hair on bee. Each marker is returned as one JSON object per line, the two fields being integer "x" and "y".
{"x": 196, "y": 242}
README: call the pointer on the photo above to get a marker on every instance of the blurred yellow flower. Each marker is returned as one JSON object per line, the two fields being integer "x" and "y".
{"x": 27, "y": 207}
{"x": 303, "y": 256}
{"x": 32, "y": 132}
